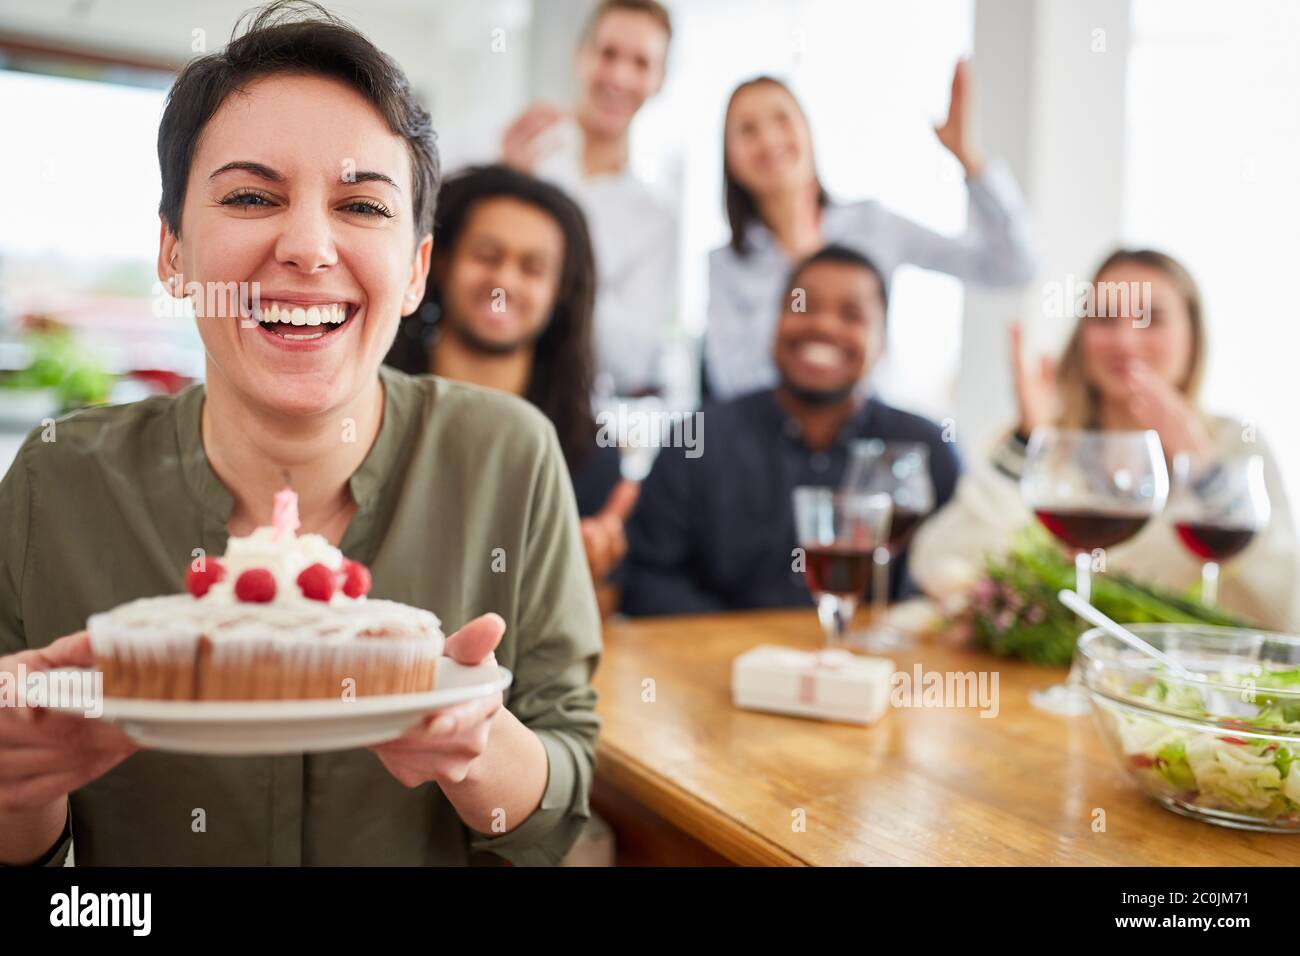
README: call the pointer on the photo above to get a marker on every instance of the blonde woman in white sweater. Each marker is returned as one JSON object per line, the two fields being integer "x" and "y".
{"x": 1118, "y": 374}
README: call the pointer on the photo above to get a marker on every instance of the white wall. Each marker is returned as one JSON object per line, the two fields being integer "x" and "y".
{"x": 1051, "y": 93}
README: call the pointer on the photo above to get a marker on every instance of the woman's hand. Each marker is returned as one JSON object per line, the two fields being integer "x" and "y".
{"x": 1157, "y": 404}
{"x": 603, "y": 534}
{"x": 958, "y": 131}
{"x": 1035, "y": 384}
{"x": 46, "y": 754}
{"x": 524, "y": 144}
{"x": 443, "y": 746}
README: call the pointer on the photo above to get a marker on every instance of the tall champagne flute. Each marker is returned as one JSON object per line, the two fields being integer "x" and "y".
{"x": 1092, "y": 490}
{"x": 1218, "y": 508}
{"x": 900, "y": 470}
{"x": 838, "y": 532}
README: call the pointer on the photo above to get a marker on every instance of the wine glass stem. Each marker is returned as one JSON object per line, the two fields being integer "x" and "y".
{"x": 1210, "y": 583}
{"x": 1083, "y": 575}
{"x": 880, "y": 587}
{"x": 835, "y": 614}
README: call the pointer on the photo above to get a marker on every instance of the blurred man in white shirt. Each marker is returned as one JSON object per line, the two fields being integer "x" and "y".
{"x": 620, "y": 64}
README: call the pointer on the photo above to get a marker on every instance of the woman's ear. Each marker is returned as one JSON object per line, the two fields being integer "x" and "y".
{"x": 419, "y": 276}
{"x": 170, "y": 269}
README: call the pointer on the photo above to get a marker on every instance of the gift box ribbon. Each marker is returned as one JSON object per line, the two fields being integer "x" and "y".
{"x": 810, "y": 666}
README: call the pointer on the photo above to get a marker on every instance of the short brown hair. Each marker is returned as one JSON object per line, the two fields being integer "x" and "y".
{"x": 293, "y": 36}
{"x": 651, "y": 8}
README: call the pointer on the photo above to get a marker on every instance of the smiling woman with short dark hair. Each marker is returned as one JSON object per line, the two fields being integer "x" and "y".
{"x": 299, "y": 181}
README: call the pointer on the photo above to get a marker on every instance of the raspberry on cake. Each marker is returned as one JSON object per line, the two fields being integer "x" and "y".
{"x": 278, "y": 616}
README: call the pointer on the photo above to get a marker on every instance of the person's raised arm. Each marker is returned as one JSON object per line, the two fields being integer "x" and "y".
{"x": 526, "y": 141}
{"x": 997, "y": 248}
{"x": 604, "y": 537}
{"x": 1035, "y": 383}
{"x": 957, "y": 134}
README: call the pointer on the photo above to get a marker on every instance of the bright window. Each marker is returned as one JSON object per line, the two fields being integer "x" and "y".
{"x": 1213, "y": 146}
{"x": 79, "y": 234}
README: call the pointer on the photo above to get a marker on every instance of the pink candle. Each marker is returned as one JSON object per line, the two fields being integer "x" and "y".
{"x": 284, "y": 513}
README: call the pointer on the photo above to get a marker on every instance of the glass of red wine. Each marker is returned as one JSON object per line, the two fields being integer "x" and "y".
{"x": 900, "y": 470}
{"x": 1218, "y": 508}
{"x": 839, "y": 533}
{"x": 1092, "y": 490}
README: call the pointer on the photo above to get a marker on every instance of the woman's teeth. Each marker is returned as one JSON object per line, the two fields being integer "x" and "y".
{"x": 276, "y": 316}
{"x": 330, "y": 314}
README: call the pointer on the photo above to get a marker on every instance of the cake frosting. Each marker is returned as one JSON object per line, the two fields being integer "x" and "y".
{"x": 278, "y": 615}
{"x": 285, "y": 556}
{"x": 290, "y": 614}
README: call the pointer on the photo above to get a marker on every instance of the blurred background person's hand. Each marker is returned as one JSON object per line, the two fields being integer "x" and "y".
{"x": 532, "y": 136}
{"x": 605, "y": 539}
{"x": 1035, "y": 380}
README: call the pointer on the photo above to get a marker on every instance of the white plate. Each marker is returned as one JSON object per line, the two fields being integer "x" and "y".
{"x": 232, "y": 727}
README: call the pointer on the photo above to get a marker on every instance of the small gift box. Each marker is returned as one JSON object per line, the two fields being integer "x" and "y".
{"x": 828, "y": 684}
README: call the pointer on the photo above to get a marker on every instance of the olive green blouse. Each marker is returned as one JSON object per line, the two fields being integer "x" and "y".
{"x": 464, "y": 506}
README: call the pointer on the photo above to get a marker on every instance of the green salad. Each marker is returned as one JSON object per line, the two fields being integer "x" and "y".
{"x": 1245, "y": 764}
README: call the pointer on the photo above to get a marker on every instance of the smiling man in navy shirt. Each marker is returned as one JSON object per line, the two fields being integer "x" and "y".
{"x": 715, "y": 532}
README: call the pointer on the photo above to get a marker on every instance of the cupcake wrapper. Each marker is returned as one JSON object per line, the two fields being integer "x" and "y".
{"x": 197, "y": 668}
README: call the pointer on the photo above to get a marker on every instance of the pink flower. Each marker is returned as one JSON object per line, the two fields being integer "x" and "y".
{"x": 961, "y": 632}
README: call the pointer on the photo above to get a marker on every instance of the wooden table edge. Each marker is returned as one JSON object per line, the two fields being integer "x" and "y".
{"x": 683, "y": 809}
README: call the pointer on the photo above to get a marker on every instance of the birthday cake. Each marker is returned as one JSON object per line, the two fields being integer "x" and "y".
{"x": 279, "y": 616}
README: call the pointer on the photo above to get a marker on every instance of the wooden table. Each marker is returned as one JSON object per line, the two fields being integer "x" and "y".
{"x": 686, "y": 778}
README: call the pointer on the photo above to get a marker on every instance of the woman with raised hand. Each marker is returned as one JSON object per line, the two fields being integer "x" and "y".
{"x": 1134, "y": 362}
{"x": 779, "y": 214}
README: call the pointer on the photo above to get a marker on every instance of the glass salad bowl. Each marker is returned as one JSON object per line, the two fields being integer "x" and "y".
{"x": 1221, "y": 743}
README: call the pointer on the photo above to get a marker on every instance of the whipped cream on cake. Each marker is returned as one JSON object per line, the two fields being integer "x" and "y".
{"x": 286, "y": 557}
{"x": 279, "y": 614}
